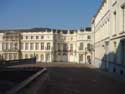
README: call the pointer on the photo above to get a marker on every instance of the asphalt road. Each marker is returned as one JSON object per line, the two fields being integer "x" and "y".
{"x": 81, "y": 80}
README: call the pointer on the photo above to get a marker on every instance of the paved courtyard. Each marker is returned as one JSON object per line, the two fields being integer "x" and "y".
{"x": 81, "y": 80}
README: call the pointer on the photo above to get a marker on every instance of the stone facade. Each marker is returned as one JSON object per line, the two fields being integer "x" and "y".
{"x": 48, "y": 45}
{"x": 108, "y": 26}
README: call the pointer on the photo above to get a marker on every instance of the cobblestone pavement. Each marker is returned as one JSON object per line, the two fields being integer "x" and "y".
{"x": 82, "y": 80}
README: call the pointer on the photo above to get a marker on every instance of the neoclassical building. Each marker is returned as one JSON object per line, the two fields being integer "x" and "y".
{"x": 48, "y": 45}
{"x": 108, "y": 27}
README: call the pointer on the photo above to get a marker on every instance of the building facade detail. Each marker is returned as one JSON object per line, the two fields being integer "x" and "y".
{"x": 48, "y": 45}
{"x": 108, "y": 27}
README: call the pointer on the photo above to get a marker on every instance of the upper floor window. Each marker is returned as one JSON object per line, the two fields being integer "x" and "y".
{"x": 42, "y": 46}
{"x": 26, "y": 37}
{"x": 88, "y": 37}
{"x": 42, "y": 37}
{"x": 48, "y": 46}
{"x": 37, "y": 46}
{"x": 81, "y": 46}
{"x": 31, "y": 46}
{"x": 89, "y": 46}
{"x": 37, "y": 37}
{"x": 59, "y": 45}
{"x": 65, "y": 46}
{"x": 26, "y": 46}
{"x": 31, "y": 37}
{"x": 71, "y": 38}
{"x": 71, "y": 31}
{"x": 15, "y": 46}
{"x": 123, "y": 17}
{"x": 115, "y": 22}
{"x": 71, "y": 47}
{"x": 22, "y": 46}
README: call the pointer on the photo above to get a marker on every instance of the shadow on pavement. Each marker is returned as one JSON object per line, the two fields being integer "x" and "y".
{"x": 71, "y": 80}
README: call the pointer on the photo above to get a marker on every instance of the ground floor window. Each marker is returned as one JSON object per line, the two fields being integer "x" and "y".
{"x": 42, "y": 57}
{"x": 47, "y": 57}
{"x": 26, "y": 56}
{"x": 81, "y": 57}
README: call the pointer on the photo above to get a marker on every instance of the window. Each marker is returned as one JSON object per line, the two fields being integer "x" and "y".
{"x": 48, "y": 46}
{"x": 42, "y": 37}
{"x": 26, "y": 46}
{"x": 71, "y": 47}
{"x": 26, "y": 37}
{"x": 16, "y": 46}
{"x": 81, "y": 57}
{"x": 123, "y": 17}
{"x": 64, "y": 53}
{"x": 47, "y": 57}
{"x": 42, "y": 57}
{"x": 22, "y": 46}
{"x": 11, "y": 46}
{"x": 42, "y": 46}
{"x": 31, "y": 55}
{"x": 31, "y": 46}
{"x": 71, "y": 31}
{"x": 71, "y": 38}
{"x": 65, "y": 47}
{"x": 81, "y": 46}
{"x": 31, "y": 37}
{"x": 21, "y": 37}
{"x": 37, "y": 37}
{"x": 37, "y": 46}
{"x": 15, "y": 56}
{"x": 7, "y": 46}
{"x": 3, "y": 46}
{"x": 115, "y": 44}
{"x": 114, "y": 23}
{"x": 89, "y": 46}
{"x": 37, "y": 57}
{"x": 64, "y": 38}
{"x": 26, "y": 55}
{"x": 88, "y": 37}
{"x": 10, "y": 56}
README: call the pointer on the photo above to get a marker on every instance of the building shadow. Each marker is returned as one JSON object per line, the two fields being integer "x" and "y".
{"x": 115, "y": 61}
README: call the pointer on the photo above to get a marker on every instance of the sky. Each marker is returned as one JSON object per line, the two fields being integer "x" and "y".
{"x": 56, "y": 14}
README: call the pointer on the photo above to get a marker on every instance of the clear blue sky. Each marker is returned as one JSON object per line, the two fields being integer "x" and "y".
{"x": 63, "y": 14}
